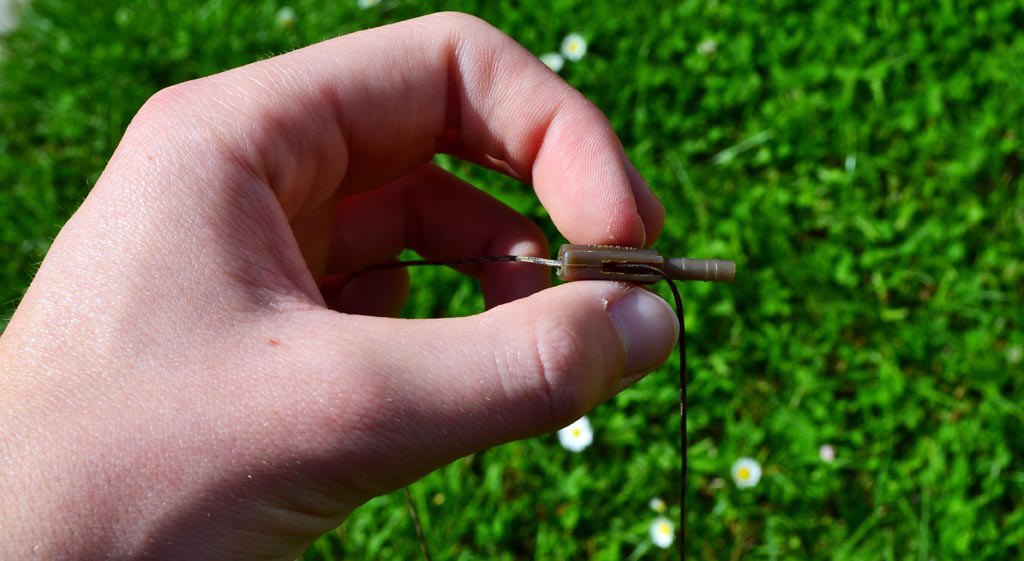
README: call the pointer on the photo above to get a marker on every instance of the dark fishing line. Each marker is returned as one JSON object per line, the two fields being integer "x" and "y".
{"x": 416, "y": 523}
{"x": 610, "y": 267}
{"x": 683, "y": 437}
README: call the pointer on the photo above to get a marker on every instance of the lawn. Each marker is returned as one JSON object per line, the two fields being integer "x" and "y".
{"x": 861, "y": 161}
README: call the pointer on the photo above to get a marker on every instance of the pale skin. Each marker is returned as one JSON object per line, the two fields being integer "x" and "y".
{"x": 189, "y": 376}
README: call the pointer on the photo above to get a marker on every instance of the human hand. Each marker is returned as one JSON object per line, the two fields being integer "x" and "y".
{"x": 179, "y": 382}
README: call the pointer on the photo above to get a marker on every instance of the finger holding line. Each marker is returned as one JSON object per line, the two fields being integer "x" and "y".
{"x": 304, "y": 119}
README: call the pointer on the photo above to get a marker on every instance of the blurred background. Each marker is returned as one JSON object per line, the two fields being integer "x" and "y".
{"x": 861, "y": 161}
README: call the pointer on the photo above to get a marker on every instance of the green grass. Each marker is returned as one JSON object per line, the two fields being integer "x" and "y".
{"x": 862, "y": 163}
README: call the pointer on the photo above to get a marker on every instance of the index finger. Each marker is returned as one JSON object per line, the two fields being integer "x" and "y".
{"x": 366, "y": 108}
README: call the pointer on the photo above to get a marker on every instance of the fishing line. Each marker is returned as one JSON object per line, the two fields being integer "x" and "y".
{"x": 416, "y": 524}
{"x": 683, "y": 437}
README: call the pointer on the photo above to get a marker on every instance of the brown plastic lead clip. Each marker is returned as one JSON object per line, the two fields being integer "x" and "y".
{"x": 606, "y": 262}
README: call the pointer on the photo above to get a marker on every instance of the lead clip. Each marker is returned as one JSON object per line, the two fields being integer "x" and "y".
{"x": 607, "y": 262}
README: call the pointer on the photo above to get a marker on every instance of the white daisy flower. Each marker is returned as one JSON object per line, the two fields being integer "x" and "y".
{"x": 1014, "y": 354}
{"x": 576, "y": 436}
{"x": 746, "y": 472}
{"x": 285, "y": 17}
{"x": 554, "y": 61}
{"x": 707, "y": 47}
{"x": 574, "y": 46}
{"x": 366, "y": 4}
{"x": 658, "y": 505}
{"x": 663, "y": 532}
{"x": 827, "y": 453}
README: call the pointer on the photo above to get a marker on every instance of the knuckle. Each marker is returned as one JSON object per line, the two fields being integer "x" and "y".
{"x": 462, "y": 21}
{"x": 165, "y": 112}
{"x": 557, "y": 371}
{"x": 478, "y": 35}
{"x": 168, "y": 102}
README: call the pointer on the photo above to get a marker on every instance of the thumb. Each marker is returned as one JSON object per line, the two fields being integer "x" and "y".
{"x": 444, "y": 388}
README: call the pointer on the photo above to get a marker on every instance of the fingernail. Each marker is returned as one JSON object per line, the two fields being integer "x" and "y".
{"x": 648, "y": 328}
